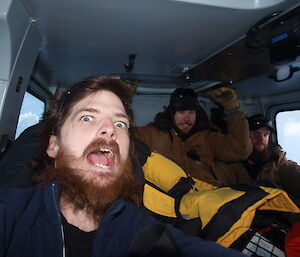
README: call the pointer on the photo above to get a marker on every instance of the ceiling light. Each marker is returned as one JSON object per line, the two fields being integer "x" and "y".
{"x": 283, "y": 73}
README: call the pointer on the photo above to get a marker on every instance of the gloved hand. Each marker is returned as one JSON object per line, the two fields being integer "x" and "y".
{"x": 226, "y": 97}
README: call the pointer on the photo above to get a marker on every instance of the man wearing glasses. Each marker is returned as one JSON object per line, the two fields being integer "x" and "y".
{"x": 183, "y": 134}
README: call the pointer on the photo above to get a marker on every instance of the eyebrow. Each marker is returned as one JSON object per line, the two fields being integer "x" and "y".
{"x": 93, "y": 110}
{"x": 258, "y": 132}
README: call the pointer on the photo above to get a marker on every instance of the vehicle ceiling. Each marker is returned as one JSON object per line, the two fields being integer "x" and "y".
{"x": 84, "y": 38}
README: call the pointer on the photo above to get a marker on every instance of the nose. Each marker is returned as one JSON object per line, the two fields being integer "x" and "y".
{"x": 106, "y": 129}
{"x": 260, "y": 138}
{"x": 186, "y": 117}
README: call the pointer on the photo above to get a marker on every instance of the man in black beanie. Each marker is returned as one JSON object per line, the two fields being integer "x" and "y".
{"x": 183, "y": 133}
{"x": 188, "y": 115}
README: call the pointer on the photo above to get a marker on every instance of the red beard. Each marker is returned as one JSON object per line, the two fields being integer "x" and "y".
{"x": 85, "y": 193}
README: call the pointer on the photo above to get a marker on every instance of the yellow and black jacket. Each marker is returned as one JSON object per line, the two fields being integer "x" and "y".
{"x": 225, "y": 213}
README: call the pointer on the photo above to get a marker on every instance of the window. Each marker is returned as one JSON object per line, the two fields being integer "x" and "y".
{"x": 32, "y": 111}
{"x": 288, "y": 133}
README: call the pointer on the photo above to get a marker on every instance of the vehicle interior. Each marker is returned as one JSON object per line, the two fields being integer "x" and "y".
{"x": 157, "y": 46}
{"x": 252, "y": 46}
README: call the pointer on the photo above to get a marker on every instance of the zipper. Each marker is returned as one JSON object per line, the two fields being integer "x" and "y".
{"x": 59, "y": 217}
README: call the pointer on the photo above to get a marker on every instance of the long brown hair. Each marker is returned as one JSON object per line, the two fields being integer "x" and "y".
{"x": 62, "y": 103}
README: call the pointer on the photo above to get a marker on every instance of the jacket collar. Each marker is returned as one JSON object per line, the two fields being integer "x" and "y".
{"x": 51, "y": 200}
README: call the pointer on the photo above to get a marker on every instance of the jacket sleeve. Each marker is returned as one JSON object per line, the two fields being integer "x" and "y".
{"x": 145, "y": 134}
{"x": 236, "y": 144}
{"x": 289, "y": 174}
{"x": 194, "y": 246}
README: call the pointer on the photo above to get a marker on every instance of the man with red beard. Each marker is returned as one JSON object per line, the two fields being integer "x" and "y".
{"x": 87, "y": 202}
{"x": 266, "y": 162}
{"x": 183, "y": 134}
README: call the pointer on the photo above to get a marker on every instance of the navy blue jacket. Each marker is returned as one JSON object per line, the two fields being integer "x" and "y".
{"x": 30, "y": 226}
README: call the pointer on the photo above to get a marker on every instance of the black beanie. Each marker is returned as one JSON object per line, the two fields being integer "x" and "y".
{"x": 183, "y": 99}
{"x": 259, "y": 121}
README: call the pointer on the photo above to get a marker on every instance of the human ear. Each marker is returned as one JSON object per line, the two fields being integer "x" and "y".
{"x": 52, "y": 147}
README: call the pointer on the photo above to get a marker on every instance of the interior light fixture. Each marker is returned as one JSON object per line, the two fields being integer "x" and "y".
{"x": 284, "y": 73}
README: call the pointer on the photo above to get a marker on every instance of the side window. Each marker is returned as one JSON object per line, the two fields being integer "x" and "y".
{"x": 288, "y": 133}
{"x": 32, "y": 111}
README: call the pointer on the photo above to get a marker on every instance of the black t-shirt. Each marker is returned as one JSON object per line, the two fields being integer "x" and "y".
{"x": 77, "y": 242}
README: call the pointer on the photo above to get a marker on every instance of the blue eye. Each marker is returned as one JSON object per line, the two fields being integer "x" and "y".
{"x": 121, "y": 124}
{"x": 87, "y": 118}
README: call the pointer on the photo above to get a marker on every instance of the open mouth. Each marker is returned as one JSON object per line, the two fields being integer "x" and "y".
{"x": 103, "y": 158}
{"x": 185, "y": 126}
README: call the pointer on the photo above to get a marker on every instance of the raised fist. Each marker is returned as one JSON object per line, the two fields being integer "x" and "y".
{"x": 226, "y": 97}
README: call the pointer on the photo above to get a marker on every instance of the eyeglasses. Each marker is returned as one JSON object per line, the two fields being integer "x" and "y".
{"x": 63, "y": 100}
